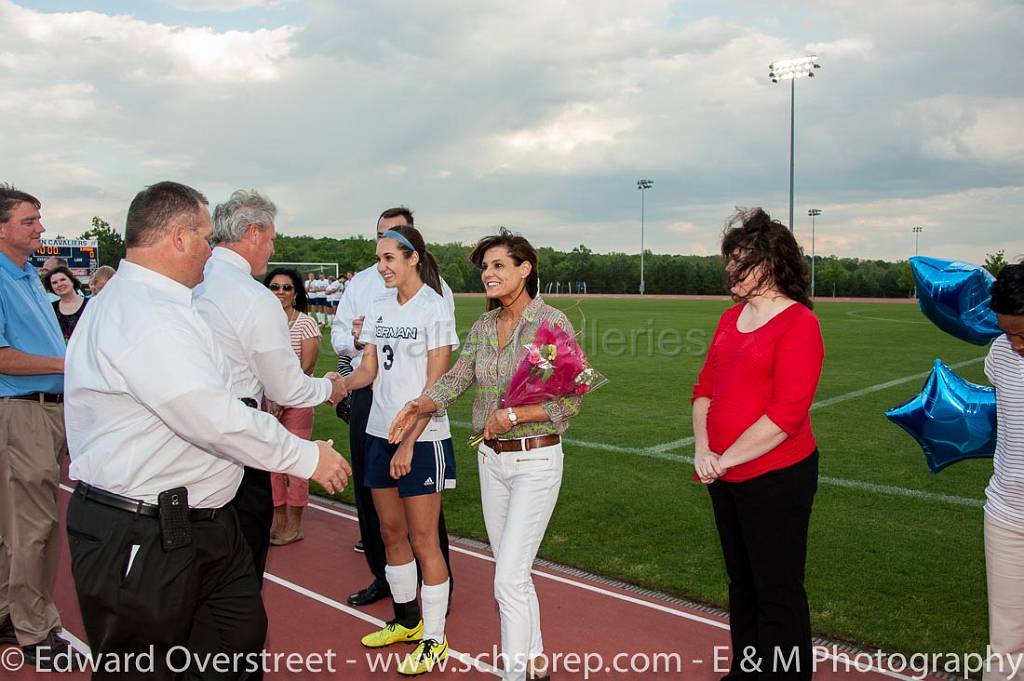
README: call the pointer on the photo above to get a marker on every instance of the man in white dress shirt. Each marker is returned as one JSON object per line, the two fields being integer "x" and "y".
{"x": 364, "y": 287}
{"x": 252, "y": 333}
{"x": 158, "y": 442}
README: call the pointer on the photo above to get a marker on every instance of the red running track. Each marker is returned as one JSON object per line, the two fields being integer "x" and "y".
{"x": 596, "y": 631}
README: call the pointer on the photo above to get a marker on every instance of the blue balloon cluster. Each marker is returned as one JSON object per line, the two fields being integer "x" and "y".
{"x": 951, "y": 418}
{"x": 955, "y": 295}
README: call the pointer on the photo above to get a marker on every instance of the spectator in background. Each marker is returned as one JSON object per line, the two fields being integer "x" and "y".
{"x": 33, "y": 446}
{"x": 70, "y": 303}
{"x": 291, "y": 493}
{"x": 1004, "y": 504}
{"x": 52, "y": 263}
{"x": 100, "y": 278}
{"x": 334, "y": 290}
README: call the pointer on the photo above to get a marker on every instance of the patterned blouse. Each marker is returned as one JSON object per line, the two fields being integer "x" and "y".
{"x": 491, "y": 368}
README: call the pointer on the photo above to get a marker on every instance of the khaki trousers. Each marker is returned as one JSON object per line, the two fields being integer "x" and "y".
{"x": 1004, "y": 562}
{"x": 32, "y": 446}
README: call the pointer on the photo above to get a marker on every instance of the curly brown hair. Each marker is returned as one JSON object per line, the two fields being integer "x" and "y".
{"x": 752, "y": 240}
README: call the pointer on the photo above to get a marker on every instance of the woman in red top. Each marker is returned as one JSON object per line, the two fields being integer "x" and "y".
{"x": 754, "y": 446}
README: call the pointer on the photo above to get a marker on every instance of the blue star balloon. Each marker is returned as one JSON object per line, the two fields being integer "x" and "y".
{"x": 955, "y": 295}
{"x": 952, "y": 419}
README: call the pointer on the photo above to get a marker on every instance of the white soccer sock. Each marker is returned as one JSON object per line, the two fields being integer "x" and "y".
{"x": 402, "y": 580}
{"x": 435, "y": 605}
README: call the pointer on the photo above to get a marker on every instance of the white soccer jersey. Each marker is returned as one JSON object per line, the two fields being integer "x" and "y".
{"x": 333, "y": 290}
{"x": 402, "y": 336}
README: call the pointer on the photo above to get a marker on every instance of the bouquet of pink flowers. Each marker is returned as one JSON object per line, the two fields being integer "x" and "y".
{"x": 554, "y": 366}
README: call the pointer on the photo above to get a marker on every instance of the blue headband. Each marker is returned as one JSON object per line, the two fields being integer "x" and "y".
{"x": 400, "y": 238}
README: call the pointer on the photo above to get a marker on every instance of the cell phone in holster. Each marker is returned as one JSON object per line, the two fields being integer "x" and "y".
{"x": 175, "y": 525}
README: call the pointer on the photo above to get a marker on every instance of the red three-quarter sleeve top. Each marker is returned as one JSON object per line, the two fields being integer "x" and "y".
{"x": 773, "y": 371}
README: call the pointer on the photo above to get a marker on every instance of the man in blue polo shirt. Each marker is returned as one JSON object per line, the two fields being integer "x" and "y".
{"x": 31, "y": 437}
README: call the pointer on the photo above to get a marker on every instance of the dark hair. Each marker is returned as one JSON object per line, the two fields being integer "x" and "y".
{"x": 301, "y": 301}
{"x": 155, "y": 208}
{"x": 398, "y": 211}
{"x": 66, "y": 272}
{"x": 427, "y": 267}
{"x": 1008, "y": 291}
{"x": 10, "y": 197}
{"x": 751, "y": 239}
{"x": 519, "y": 249}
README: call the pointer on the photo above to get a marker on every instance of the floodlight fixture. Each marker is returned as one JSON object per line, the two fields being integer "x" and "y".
{"x": 813, "y": 213}
{"x": 791, "y": 70}
{"x": 643, "y": 185}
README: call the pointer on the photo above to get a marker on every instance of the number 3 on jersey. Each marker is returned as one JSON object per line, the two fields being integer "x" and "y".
{"x": 389, "y": 356}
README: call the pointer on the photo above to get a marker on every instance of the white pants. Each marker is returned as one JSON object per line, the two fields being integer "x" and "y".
{"x": 518, "y": 491}
{"x": 1004, "y": 562}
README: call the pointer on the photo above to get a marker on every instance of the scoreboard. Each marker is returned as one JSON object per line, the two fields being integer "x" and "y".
{"x": 82, "y": 254}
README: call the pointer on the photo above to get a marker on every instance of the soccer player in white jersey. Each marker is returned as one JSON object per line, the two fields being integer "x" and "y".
{"x": 409, "y": 339}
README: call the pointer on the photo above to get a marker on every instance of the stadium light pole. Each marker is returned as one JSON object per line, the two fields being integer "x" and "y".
{"x": 643, "y": 186}
{"x": 814, "y": 212}
{"x": 791, "y": 69}
{"x": 917, "y": 234}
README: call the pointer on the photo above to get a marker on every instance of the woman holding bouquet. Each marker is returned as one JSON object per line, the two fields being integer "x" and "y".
{"x": 754, "y": 446}
{"x": 520, "y": 458}
{"x": 409, "y": 337}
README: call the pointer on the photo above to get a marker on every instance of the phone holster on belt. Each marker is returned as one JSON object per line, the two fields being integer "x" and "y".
{"x": 175, "y": 525}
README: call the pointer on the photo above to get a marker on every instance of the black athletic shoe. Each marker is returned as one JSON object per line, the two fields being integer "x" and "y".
{"x": 42, "y": 655}
{"x": 7, "y": 633}
{"x": 358, "y": 547}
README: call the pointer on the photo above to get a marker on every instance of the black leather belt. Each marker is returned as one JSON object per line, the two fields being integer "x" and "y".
{"x": 51, "y": 398}
{"x": 105, "y": 498}
{"x": 525, "y": 444}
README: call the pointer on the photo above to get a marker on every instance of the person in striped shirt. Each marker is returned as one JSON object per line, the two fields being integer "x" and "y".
{"x": 1004, "y": 505}
{"x": 291, "y": 493}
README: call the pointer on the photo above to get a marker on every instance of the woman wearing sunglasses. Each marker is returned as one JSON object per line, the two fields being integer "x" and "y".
{"x": 291, "y": 494}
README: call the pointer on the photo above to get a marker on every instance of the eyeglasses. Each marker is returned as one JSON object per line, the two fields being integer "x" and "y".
{"x": 282, "y": 287}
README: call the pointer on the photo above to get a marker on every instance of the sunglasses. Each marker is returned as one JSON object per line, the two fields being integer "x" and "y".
{"x": 282, "y": 287}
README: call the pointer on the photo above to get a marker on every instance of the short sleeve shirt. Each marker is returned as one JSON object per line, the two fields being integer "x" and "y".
{"x": 28, "y": 324}
{"x": 402, "y": 336}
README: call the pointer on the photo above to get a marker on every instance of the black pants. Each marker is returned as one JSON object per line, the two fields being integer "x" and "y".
{"x": 130, "y": 604}
{"x": 369, "y": 523}
{"x": 762, "y": 524}
{"x": 254, "y": 502}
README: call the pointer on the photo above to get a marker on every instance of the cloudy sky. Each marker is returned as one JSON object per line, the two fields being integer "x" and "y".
{"x": 537, "y": 114}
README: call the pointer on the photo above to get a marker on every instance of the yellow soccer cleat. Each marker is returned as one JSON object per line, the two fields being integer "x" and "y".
{"x": 393, "y": 632}
{"x": 423, "y": 659}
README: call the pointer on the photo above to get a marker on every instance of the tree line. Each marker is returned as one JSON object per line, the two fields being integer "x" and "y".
{"x": 613, "y": 273}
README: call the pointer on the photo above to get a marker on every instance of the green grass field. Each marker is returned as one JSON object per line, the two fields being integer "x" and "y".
{"x": 896, "y": 571}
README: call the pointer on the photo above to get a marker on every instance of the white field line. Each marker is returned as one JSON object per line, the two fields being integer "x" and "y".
{"x": 610, "y": 594}
{"x": 858, "y": 315}
{"x": 665, "y": 452}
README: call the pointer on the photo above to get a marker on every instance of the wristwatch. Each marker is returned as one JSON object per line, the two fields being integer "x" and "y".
{"x": 512, "y": 418}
